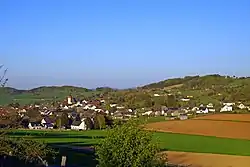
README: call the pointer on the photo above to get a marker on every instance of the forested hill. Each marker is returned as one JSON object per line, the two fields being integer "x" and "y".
{"x": 204, "y": 89}
{"x": 195, "y": 82}
{"x": 48, "y": 93}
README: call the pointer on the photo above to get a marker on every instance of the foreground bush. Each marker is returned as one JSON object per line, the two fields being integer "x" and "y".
{"x": 128, "y": 145}
{"x": 25, "y": 151}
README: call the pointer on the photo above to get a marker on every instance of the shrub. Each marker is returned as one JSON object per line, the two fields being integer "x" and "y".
{"x": 128, "y": 145}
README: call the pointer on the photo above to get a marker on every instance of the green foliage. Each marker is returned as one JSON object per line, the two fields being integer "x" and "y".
{"x": 24, "y": 149}
{"x": 58, "y": 122}
{"x": 99, "y": 121}
{"x": 34, "y": 115}
{"x": 64, "y": 120}
{"x": 89, "y": 123}
{"x": 96, "y": 123}
{"x": 128, "y": 146}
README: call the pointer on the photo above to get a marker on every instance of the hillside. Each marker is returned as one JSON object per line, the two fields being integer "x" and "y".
{"x": 52, "y": 93}
{"x": 206, "y": 88}
{"x": 200, "y": 82}
{"x": 202, "y": 89}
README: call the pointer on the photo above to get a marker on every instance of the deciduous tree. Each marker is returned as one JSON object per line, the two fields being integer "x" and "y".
{"x": 128, "y": 145}
{"x": 89, "y": 123}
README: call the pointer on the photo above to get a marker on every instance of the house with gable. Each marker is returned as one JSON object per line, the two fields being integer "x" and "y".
{"x": 79, "y": 125}
{"x": 241, "y": 106}
{"x": 47, "y": 123}
{"x": 202, "y": 110}
{"x": 34, "y": 125}
{"x": 227, "y": 107}
{"x": 210, "y": 107}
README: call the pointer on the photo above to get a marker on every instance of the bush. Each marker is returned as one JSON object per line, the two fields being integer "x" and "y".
{"x": 25, "y": 150}
{"x": 128, "y": 145}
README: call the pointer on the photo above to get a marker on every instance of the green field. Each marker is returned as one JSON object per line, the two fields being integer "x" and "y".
{"x": 167, "y": 141}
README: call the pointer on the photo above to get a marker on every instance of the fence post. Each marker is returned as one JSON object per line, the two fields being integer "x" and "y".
{"x": 63, "y": 162}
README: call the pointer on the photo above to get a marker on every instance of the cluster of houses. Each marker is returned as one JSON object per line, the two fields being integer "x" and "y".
{"x": 75, "y": 108}
{"x": 83, "y": 109}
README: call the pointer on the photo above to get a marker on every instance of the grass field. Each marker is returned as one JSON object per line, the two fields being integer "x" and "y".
{"x": 167, "y": 141}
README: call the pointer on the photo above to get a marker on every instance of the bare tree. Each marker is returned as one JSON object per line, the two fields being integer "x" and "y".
{"x": 3, "y": 79}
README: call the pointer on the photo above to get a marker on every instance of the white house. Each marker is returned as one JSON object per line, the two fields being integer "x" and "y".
{"x": 202, "y": 110}
{"x": 162, "y": 112}
{"x": 30, "y": 126}
{"x": 195, "y": 109}
{"x": 84, "y": 101}
{"x": 33, "y": 125}
{"x": 37, "y": 106}
{"x": 228, "y": 104}
{"x": 22, "y": 111}
{"x": 113, "y": 105}
{"x": 90, "y": 107}
{"x": 98, "y": 110}
{"x": 120, "y": 107}
{"x": 210, "y": 105}
{"x": 65, "y": 107}
{"x": 78, "y": 104}
{"x": 156, "y": 95}
{"x": 79, "y": 125}
{"x": 185, "y": 100}
{"x": 211, "y": 109}
{"x": 242, "y": 106}
{"x": 107, "y": 111}
{"x": 147, "y": 113}
{"x": 226, "y": 108}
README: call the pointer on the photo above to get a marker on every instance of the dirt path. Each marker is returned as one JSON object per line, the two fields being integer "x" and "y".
{"x": 208, "y": 160}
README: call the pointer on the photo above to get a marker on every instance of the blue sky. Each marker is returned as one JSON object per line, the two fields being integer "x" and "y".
{"x": 122, "y": 43}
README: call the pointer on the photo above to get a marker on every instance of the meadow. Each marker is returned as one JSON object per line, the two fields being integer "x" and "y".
{"x": 166, "y": 141}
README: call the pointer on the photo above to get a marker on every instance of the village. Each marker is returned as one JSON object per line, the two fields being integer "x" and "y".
{"x": 76, "y": 114}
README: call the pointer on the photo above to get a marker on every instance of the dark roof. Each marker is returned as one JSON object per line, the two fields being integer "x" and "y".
{"x": 48, "y": 120}
{"x": 34, "y": 123}
{"x": 202, "y": 108}
{"x": 76, "y": 123}
{"x": 49, "y": 125}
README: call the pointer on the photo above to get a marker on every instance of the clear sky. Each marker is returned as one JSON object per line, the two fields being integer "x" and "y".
{"x": 122, "y": 43}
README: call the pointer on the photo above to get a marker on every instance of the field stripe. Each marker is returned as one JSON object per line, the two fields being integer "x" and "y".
{"x": 207, "y": 160}
{"x": 167, "y": 141}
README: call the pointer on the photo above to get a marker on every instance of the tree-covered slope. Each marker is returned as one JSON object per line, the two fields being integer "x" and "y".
{"x": 51, "y": 93}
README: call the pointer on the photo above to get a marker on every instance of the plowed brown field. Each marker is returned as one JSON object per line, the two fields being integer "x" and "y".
{"x": 227, "y": 129}
{"x": 208, "y": 160}
{"x": 227, "y": 117}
